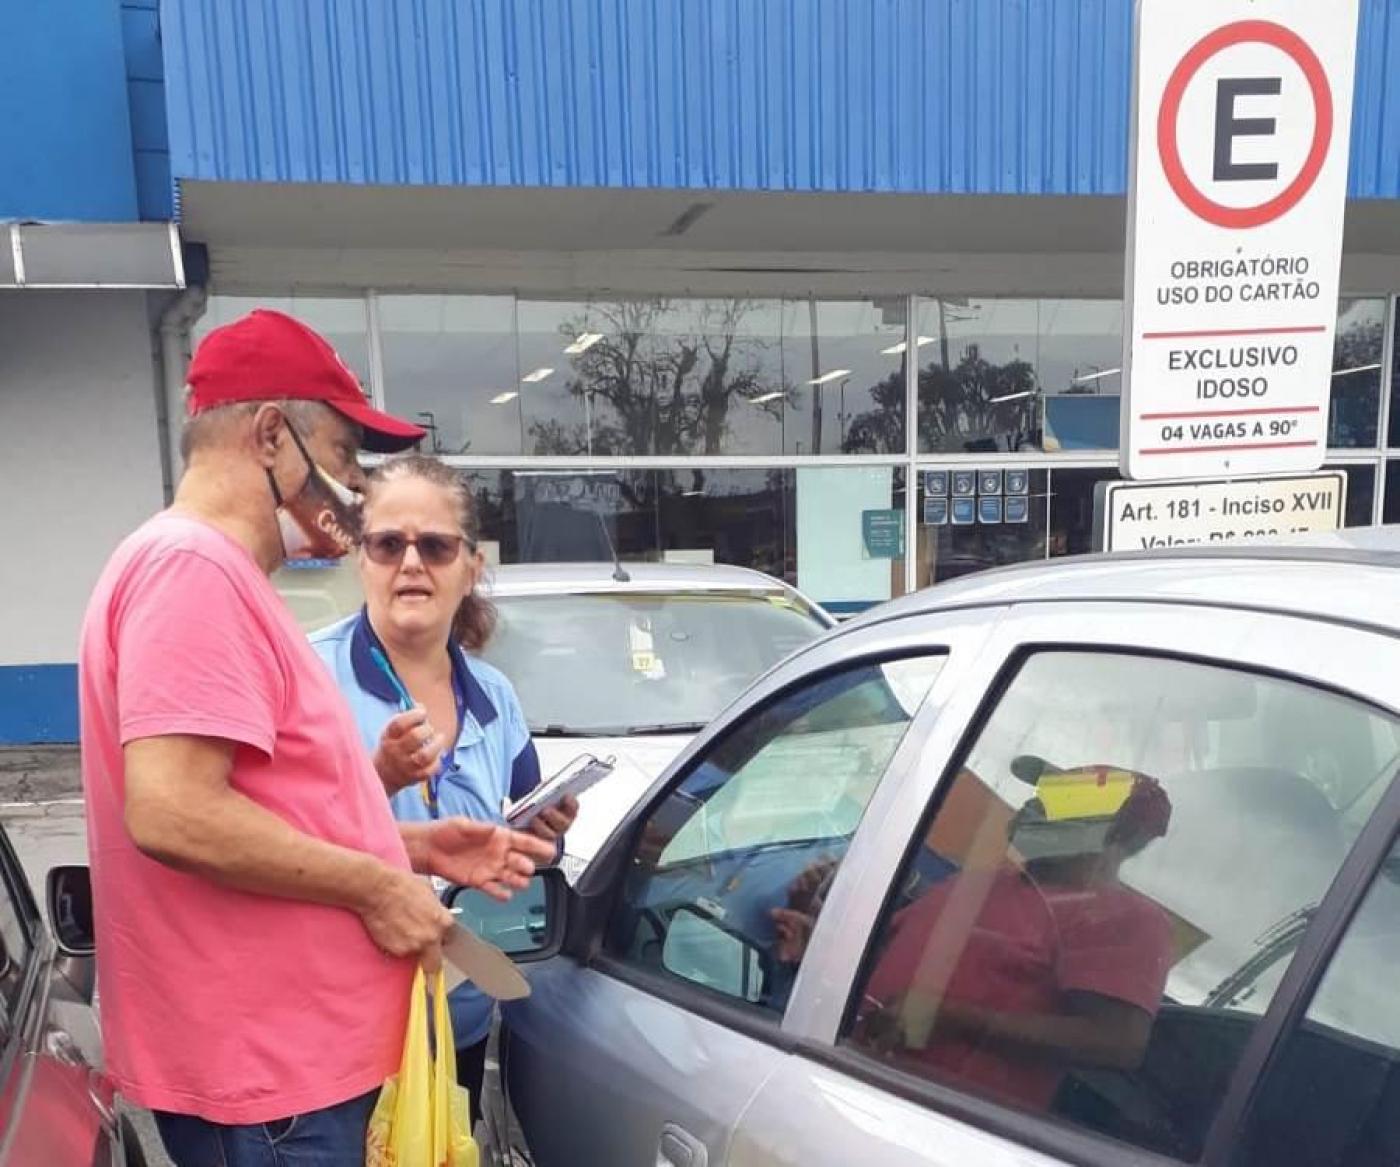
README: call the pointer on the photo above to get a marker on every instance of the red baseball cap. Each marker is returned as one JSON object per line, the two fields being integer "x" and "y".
{"x": 267, "y": 355}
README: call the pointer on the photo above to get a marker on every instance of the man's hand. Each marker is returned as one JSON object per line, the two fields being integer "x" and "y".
{"x": 410, "y": 750}
{"x": 490, "y": 858}
{"x": 404, "y": 918}
{"x": 552, "y": 823}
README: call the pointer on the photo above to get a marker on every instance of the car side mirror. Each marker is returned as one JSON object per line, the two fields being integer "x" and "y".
{"x": 528, "y": 927}
{"x": 699, "y": 949}
{"x": 70, "y": 910}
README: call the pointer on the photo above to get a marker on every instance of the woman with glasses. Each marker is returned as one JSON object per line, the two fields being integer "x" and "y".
{"x": 445, "y": 729}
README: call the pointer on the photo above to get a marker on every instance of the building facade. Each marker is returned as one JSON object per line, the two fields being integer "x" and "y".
{"x": 830, "y": 288}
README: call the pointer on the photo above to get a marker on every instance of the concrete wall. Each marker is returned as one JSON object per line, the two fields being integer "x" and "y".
{"x": 81, "y": 469}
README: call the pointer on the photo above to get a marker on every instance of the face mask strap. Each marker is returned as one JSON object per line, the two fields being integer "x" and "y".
{"x": 296, "y": 437}
{"x": 277, "y": 499}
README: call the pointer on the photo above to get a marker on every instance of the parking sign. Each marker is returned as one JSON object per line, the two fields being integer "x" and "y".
{"x": 1237, "y": 196}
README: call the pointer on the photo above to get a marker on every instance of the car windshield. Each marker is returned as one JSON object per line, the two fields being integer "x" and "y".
{"x": 659, "y": 662}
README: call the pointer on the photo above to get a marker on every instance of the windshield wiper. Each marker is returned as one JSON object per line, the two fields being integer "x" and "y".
{"x": 660, "y": 728}
{"x": 556, "y": 730}
{"x": 665, "y": 726}
{"x": 1275, "y": 942}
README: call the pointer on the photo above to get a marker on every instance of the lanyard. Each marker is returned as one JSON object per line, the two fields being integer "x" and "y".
{"x": 428, "y": 788}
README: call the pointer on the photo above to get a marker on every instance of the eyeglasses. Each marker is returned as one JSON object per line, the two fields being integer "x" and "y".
{"x": 387, "y": 548}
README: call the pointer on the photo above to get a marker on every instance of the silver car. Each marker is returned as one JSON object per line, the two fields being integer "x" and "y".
{"x": 57, "y": 1109}
{"x": 1089, "y": 862}
{"x": 631, "y": 661}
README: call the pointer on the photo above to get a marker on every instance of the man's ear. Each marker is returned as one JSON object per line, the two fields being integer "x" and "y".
{"x": 269, "y": 424}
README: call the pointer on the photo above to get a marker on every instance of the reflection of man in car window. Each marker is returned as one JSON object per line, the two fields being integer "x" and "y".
{"x": 1004, "y": 979}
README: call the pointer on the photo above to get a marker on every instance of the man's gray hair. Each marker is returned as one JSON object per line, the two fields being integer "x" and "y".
{"x": 213, "y": 427}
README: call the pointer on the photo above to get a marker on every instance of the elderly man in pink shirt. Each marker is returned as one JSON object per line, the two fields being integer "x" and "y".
{"x": 259, "y": 912}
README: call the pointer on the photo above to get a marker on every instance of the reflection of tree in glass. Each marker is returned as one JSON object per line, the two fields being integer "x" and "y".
{"x": 974, "y": 401}
{"x": 1359, "y": 344}
{"x": 658, "y": 392}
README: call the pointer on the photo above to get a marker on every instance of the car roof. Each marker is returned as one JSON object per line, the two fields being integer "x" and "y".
{"x": 1344, "y": 576}
{"x": 543, "y": 578}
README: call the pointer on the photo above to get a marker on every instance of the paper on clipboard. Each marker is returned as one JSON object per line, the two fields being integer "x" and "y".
{"x": 581, "y": 774}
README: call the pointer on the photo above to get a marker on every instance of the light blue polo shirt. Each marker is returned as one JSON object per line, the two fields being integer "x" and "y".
{"x": 494, "y": 758}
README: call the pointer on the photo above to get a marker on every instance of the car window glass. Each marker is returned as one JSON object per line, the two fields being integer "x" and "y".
{"x": 1332, "y": 1093}
{"x": 1104, "y": 899}
{"x": 733, "y": 867}
{"x": 14, "y": 953}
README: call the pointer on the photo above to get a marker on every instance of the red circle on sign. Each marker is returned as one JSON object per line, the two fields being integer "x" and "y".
{"x": 1263, "y": 32}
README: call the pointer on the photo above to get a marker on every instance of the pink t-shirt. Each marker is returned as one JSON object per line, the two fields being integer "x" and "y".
{"x": 238, "y": 1008}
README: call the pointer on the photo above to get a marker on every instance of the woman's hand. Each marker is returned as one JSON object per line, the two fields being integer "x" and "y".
{"x": 410, "y": 750}
{"x": 490, "y": 858}
{"x": 552, "y": 823}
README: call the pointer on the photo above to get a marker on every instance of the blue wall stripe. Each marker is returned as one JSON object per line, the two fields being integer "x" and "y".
{"x": 957, "y": 96}
{"x": 38, "y": 704}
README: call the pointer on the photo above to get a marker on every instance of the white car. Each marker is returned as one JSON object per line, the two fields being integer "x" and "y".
{"x": 632, "y": 661}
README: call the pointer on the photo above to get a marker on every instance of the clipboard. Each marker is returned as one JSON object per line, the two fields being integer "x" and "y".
{"x": 583, "y": 773}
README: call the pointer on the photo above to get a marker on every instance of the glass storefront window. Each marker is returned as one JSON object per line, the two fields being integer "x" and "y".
{"x": 342, "y": 320}
{"x": 449, "y": 364}
{"x": 1393, "y": 437}
{"x": 653, "y": 377}
{"x": 844, "y": 362}
{"x": 1390, "y": 512}
{"x": 493, "y": 375}
{"x": 668, "y": 376}
{"x": 1072, "y": 508}
{"x": 1356, "y": 374}
{"x": 1005, "y": 376}
{"x": 974, "y": 518}
{"x": 835, "y": 532}
{"x": 1361, "y": 494}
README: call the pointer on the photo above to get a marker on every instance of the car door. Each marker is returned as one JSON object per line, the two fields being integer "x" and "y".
{"x": 54, "y": 1106}
{"x": 1016, "y": 1010}
{"x": 650, "y": 1052}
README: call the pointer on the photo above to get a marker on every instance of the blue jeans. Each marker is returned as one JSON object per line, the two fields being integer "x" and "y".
{"x": 333, "y": 1137}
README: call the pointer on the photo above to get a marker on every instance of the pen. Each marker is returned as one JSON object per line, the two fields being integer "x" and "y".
{"x": 427, "y": 788}
{"x": 382, "y": 661}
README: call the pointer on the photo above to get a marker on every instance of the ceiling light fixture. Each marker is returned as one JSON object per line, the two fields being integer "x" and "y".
{"x": 834, "y": 375}
{"x": 1355, "y": 369}
{"x": 895, "y": 349}
{"x": 502, "y": 398}
{"x": 764, "y": 398}
{"x": 1010, "y": 397}
{"x": 583, "y": 342}
{"x": 537, "y": 376}
{"x": 1094, "y": 376}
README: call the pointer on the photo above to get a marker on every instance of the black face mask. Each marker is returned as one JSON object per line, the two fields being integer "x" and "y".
{"x": 324, "y": 519}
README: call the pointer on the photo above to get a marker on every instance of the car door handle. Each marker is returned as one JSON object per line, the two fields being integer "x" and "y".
{"x": 679, "y": 1148}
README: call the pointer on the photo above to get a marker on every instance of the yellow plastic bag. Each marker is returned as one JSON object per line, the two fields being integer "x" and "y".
{"x": 422, "y": 1118}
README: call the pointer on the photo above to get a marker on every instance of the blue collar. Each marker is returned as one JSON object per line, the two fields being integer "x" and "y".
{"x": 370, "y": 679}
